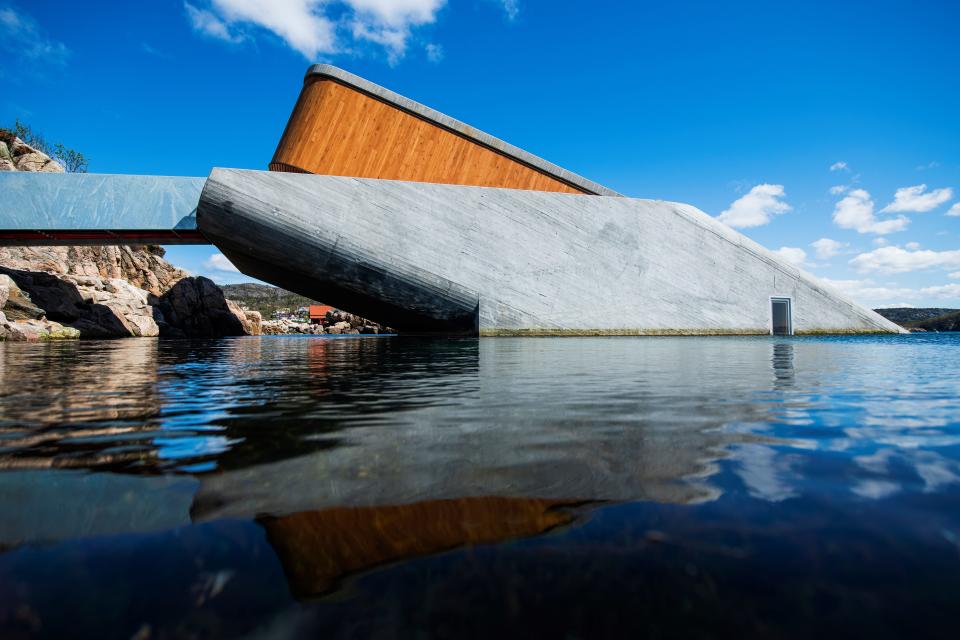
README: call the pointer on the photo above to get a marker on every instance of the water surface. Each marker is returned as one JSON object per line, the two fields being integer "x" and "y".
{"x": 567, "y": 487}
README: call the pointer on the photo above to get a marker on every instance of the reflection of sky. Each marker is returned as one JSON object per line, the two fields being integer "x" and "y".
{"x": 888, "y": 409}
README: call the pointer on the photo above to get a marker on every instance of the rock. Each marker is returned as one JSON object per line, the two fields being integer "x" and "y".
{"x": 52, "y": 167}
{"x": 250, "y": 320}
{"x": 141, "y": 266}
{"x": 196, "y": 307}
{"x": 35, "y": 331}
{"x": 7, "y": 165}
{"x": 18, "y": 148}
{"x": 5, "y": 151}
{"x": 32, "y": 161}
{"x": 6, "y": 286}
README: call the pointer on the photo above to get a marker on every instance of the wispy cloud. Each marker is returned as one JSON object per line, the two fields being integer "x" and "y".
{"x": 756, "y": 208}
{"x": 954, "y": 211}
{"x": 929, "y": 165}
{"x": 511, "y": 8}
{"x": 839, "y": 166}
{"x": 22, "y": 40}
{"x": 917, "y": 199}
{"x": 856, "y": 211}
{"x": 434, "y": 52}
{"x": 317, "y": 28}
{"x": 153, "y": 51}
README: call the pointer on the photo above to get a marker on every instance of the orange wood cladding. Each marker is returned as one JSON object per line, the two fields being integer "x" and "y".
{"x": 337, "y": 130}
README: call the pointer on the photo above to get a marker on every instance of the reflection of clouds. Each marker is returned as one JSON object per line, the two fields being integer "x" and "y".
{"x": 936, "y": 471}
{"x": 875, "y": 489}
{"x": 765, "y": 472}
{"x": 878, "y": 462}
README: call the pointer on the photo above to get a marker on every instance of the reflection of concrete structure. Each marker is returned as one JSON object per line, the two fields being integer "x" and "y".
{"x": 507, "y": 244}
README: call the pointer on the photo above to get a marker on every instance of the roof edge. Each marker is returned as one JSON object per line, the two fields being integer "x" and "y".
{"x": 460, "y": 128}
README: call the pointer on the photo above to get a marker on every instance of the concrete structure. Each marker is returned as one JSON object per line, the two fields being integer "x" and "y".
{"x": 508, "y": 244}
{"x": 453, "y": 259}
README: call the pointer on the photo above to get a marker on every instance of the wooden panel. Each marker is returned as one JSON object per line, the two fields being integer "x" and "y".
{"x": 337, "y": 130}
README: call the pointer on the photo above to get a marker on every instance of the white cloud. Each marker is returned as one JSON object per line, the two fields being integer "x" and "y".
{"x": 434, "y": 52}
{"x": 22, "y": 38}
{"x": 955, "y": 275}
{"x": 917, "y": 199}
{"x": 954, "y": 210}
{"x": 913, "y": 246}
{"x": 930, "y": 165}
{"x": 881, "y": 242}
{"x": 317, "y": 27}
{"x": 219, "y": 262}
{"x": 868, "y": 293}
{"x": 839, "y": 166}
{"x": 898, "y": 260}
{"x": 794, "y": 255}
{"x": 855, "y": 211}
{"x": 838, "y": 189}
{"x": 946, "y": 291}
{"x": 389, "y": 22}
{"x": 756, "y": 208}
{"x": 827, "y": 248}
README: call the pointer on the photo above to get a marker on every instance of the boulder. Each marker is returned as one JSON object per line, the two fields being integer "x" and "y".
{"x": 196, "y": 308}
{"x": 34, "y": 161}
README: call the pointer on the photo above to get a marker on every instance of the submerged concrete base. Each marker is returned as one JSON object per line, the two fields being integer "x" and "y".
{"x": 471, "y": 260}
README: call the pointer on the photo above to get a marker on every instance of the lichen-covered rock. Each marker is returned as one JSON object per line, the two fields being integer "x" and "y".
{"x": 34, "y": 330}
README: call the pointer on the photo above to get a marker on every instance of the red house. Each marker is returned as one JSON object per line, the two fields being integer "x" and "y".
{"x": 318, "y": 313}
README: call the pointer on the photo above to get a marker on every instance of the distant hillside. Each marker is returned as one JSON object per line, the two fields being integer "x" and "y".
{"x": 948, "y": 322}
{"x": 264, "y": 298}
{"x": 905, "y": 315}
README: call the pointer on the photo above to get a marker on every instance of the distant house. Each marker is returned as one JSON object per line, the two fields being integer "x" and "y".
{"x": 318, "y": 313}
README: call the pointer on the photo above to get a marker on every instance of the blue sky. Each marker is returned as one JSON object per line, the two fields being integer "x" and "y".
{"x": 827, "y": 130}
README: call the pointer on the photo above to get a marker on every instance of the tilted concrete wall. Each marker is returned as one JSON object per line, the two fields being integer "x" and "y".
{"x": 440, "y": 257}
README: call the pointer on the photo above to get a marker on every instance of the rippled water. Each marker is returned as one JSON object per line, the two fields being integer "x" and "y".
{"x": 563, "y": 487}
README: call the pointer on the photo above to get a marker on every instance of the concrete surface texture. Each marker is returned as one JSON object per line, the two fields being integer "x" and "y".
{"x": 454, "y": 259}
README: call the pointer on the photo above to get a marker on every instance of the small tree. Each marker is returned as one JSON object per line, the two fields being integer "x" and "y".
{"x": 72, "y": 160}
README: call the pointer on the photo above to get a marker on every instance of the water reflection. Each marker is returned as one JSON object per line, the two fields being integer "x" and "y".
{"x": 385, "y": 476}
